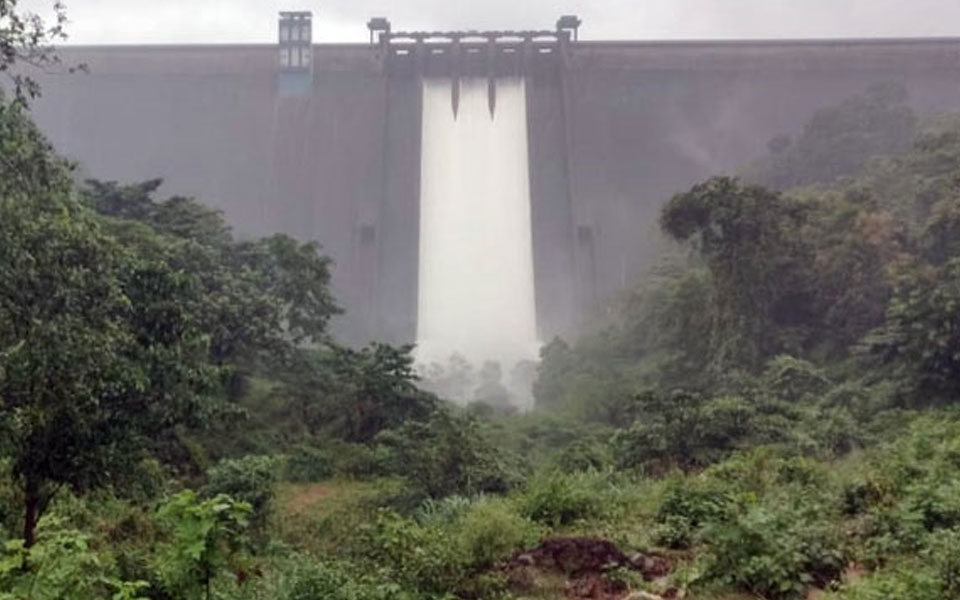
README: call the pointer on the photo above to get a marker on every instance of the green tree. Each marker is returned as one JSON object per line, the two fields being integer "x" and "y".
{"x": 446, "y": 454}
{"x": 259, "y": 300}
{"x": 919, "y": 345}
{"x": 95, "y": 348}
{"x": 375, "y": 390}
{"x": 747, "y": 237}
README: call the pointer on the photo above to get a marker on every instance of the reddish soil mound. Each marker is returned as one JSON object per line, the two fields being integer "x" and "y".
{"x": 583, "y": 563}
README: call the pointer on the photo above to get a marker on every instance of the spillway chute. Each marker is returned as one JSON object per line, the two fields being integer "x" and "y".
{"x": 476, "y": 294}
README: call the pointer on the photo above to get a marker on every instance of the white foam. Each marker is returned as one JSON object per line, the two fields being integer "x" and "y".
{"x": 476, "y": 256}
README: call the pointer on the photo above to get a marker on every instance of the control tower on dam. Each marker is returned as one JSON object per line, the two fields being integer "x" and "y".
{"x": 325, "y": 141}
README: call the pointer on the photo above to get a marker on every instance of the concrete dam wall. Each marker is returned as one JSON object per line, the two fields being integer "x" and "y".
{"x": 614, "y": 128}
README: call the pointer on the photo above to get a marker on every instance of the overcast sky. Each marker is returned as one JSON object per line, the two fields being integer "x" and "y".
{"x": 242, "y": 21}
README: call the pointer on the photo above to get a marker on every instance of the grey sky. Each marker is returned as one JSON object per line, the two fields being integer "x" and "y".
{"x": 241, "y": 21}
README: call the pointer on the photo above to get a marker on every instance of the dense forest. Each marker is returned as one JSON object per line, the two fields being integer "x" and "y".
{"x": 769, "y": 413}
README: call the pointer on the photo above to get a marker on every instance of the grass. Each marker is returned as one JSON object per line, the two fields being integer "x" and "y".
{"x": 319, "y": 517}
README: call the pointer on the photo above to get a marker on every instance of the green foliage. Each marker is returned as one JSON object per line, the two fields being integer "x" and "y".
{"x": 776, "y": 551}
{"x": 687, "y": 429}
{"x": 96, "y": 347}
{"x": 377, "y": 391}
{"x": 747, "y": 237}
{"x": 935, "y": 575}
{"x": 584, "y": 455}
{"x": 259, "y": 298}
{"x": 944, "y": 554}
{"x": 557, "y": 499}
{"x": 922, "y": 332}
{"x": 490, "y": 530}
{"x": 417, "y": 557}
{"x": 306, "y": 464}
{"x": 909, "y": 581}
{"x": 206, "y": 539}
{"x": 685, "y": 508}
{"x": 336, "y": 581}
{"x": 250, "y": 480}
{"x": 61, "y": 565}
{"x": 447, "y": 551}
{"x": 447, "y": 454}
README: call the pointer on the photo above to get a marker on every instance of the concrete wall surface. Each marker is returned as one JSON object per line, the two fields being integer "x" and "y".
{"x": 618, "y": 129}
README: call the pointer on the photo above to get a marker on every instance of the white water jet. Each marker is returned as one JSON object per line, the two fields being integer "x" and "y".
{"x": 476, "y": 256}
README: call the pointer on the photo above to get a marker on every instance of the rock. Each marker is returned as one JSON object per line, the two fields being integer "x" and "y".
{"x": 641, "y": 595}
{"x": 525, "y": 560}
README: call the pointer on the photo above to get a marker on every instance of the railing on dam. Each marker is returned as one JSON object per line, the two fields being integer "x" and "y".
{"x": 471, "y": 53}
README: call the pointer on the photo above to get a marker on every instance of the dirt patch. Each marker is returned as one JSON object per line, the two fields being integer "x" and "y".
{"x": 584, "y": 563}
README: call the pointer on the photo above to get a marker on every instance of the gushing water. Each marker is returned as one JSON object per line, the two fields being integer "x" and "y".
{"x": 476, "y": 258}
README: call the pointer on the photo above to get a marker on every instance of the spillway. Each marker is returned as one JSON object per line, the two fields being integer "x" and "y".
{"x": 476, "y": 294}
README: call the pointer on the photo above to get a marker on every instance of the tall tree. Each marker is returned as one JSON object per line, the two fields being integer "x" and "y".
{"x": 96, "y": 347}
{"x": 747, "y": 236}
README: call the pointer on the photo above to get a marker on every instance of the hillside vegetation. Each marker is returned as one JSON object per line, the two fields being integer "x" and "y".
{"x": 771, "y": 413}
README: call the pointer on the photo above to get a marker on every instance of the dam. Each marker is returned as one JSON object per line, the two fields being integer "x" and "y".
{"x": 583, "y": 142}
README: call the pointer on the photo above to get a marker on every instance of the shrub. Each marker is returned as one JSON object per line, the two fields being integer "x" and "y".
{"x": 557, "y": 499}
{"x": 583, "y": 455}
{"x": 686, "y": 507}
{"x": 889, "y": 531}
{"x": 63, "y": 566}
{"x": 443, "y": 511}
{"x": 448, "y": 454}
{"x": 357, "y": 461}
{"x": 148, "y": 480}
{"x": 417, "y": 557}
{"x": 490, "y": 531}
{"x": 913, "y": 582}
{"x": 250, "y": 479}
{"x": 336, "y": 581}
{"x": 307, "y": 464}
{"x": 944, "y": 554}
{"x": 776, "y": 550}
{"x": 205, "y": 538}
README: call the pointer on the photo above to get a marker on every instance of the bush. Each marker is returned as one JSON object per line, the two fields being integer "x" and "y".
{"x": 63, "y": 566}
{"x": 206, "y": 537}
{"x": 417, "y": 557}
{"x": 336, "y": 581}
{"x": 686, "y": 507}
{"x": 443, "y": 511}
{"x": 776, "y": 550}
{"x": 307, "y": 464}
{"x": 490, "y": 531}
{"x": 357, "y": 461}
{"x": 448, "y": 454}
{"x": 250, "y": 479}
{"x": 914, "y": 583}
{"x": 583, "y": 455}
{"x": 944, "y": 554}
{"x": 557, "y": 499}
